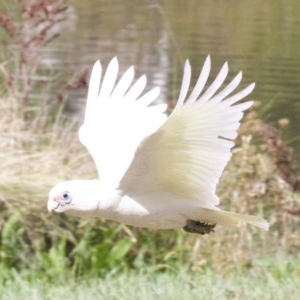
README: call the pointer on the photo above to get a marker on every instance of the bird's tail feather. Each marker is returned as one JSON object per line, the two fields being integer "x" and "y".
{"x": 230, "y": 219}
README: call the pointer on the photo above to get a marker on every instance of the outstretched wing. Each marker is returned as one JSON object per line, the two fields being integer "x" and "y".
{"x": 117, "y": 118}
{"x": 189, "y": 152}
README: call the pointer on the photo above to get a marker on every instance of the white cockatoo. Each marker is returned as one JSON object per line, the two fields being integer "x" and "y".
{"x": 156, "y": 171}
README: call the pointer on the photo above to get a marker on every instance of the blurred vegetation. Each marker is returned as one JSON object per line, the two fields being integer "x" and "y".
{"x": 39, "y": 147}
{"x": 276, "y": 281}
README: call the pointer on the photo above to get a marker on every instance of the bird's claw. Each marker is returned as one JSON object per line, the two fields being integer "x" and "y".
{"x": 199, "y": 227}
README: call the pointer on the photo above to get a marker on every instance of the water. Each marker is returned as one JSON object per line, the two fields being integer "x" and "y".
{"x": 262, "y": 38}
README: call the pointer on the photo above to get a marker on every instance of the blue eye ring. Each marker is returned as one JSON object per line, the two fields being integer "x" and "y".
{"x": 66, "y": 197}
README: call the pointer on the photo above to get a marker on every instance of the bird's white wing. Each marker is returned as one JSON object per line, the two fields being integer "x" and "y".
{"x": 117, "y": 118}
{"x": 189, "y": 152}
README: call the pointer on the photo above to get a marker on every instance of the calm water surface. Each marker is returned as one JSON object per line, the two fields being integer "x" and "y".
{"x": 262, "y": 38}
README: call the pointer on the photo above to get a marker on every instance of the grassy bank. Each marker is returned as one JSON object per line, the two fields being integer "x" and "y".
{"x": 271, "y": 278}
{"x": 47, "y": 256}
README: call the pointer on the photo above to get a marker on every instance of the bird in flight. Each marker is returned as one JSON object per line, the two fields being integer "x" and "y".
{"x": 157, "y": 171}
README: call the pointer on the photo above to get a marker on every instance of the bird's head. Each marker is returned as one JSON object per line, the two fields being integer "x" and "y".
{"x": 83, "y": 197}
{"x": 75, "y": 196}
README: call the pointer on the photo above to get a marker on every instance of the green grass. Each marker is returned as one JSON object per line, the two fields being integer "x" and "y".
{"x": 270, "y": 278}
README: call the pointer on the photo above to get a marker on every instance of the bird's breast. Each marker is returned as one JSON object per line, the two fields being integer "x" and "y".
{"x": 149, "y": 212}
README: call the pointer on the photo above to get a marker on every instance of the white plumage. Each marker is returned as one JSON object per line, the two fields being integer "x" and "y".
{"x": 157, "y": 171}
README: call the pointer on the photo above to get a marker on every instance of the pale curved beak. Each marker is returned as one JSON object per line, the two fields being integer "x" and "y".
{"x": 52, "y": 205}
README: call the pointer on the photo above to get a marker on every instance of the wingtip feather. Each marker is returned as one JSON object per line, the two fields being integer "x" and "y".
{"x": 187, "y": 71}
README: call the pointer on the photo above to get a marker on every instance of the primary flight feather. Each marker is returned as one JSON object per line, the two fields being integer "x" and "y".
{"x": 156, "y": 171}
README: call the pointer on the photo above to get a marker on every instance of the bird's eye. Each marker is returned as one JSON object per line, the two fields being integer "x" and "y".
{"x": 66, "y": 197}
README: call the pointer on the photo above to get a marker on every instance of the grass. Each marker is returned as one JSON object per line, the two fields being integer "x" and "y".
{"x": 46, "y": 256}
{"x": 55, "y": 256}
{"x": 271, "y": 278}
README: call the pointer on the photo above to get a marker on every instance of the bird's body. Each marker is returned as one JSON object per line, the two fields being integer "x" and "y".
{"x": 158, "y": 209}
{"x": 156, "y": 172}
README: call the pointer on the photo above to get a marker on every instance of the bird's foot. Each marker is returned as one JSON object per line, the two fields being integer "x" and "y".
{"x": 199, "y": 227}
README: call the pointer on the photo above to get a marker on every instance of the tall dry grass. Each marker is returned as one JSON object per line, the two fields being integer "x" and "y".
{"x": 37, "y": 154}
{"x": 261, "y": 179}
